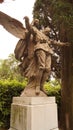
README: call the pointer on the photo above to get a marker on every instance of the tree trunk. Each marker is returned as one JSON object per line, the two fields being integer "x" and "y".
{"x": 66, "y": 117}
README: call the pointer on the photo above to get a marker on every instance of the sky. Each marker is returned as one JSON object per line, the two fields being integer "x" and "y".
{"x": 16, "y": 9}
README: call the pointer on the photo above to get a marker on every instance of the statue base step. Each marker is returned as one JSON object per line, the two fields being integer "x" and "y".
{"x": 33, "y": 113}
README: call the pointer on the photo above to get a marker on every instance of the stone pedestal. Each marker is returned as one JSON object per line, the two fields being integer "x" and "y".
{"x": 33, "y": 113}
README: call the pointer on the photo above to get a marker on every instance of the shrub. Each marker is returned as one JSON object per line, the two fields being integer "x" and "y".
{"x": 53, "y": 88}
{"x": 9, "y": 89}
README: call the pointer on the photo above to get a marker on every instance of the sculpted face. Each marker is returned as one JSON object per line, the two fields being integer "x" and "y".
{"x": 47, "y": 30}
{"x": 35, "y": 23}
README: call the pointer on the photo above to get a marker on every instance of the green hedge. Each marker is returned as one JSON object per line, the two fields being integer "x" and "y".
{"x": 9, "y": 89}
{"x": 53, "y": 88}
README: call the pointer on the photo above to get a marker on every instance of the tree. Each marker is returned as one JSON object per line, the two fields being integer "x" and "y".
{"x": 58, "y": 14}
{"x": 61, "y": 14}
{"x": 9, "y": 69}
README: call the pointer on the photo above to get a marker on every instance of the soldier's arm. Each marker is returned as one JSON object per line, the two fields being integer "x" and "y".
{"x": 58, "y": 43}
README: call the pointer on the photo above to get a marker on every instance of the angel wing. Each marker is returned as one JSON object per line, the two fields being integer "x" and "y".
{"x": 12, "y": 25}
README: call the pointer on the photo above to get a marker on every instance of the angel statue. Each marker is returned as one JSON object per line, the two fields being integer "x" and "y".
{"x": 33, "y": 52}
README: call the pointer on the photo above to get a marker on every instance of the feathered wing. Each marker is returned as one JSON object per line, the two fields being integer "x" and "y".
{"x": 12, "y": 25}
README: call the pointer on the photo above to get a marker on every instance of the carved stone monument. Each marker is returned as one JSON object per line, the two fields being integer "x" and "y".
{"x": 33, "y": 110}
{"x": 34, "y": 113}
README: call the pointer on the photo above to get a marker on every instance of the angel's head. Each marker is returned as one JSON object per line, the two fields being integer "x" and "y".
{"x": 35, "y": 23}
{"x": 47, "y": 30}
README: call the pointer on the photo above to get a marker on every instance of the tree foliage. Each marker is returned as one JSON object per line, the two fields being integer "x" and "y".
{"x": 9, "y": 69}
{"x": 61, "y": 14}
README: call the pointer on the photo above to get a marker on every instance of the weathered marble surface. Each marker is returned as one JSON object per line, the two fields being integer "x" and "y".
{"x": 34, "y": 113}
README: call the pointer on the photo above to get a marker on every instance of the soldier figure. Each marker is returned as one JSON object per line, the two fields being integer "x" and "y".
{"x": 38, "y": 56}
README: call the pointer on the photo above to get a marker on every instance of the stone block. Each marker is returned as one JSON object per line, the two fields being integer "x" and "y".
{"x": 34, "y": 113}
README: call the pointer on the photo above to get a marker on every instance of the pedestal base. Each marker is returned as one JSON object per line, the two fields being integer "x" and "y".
{"x": 33, "y": 113}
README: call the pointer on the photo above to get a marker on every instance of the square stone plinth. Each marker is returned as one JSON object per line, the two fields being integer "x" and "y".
{"x": 34, "y": 113}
